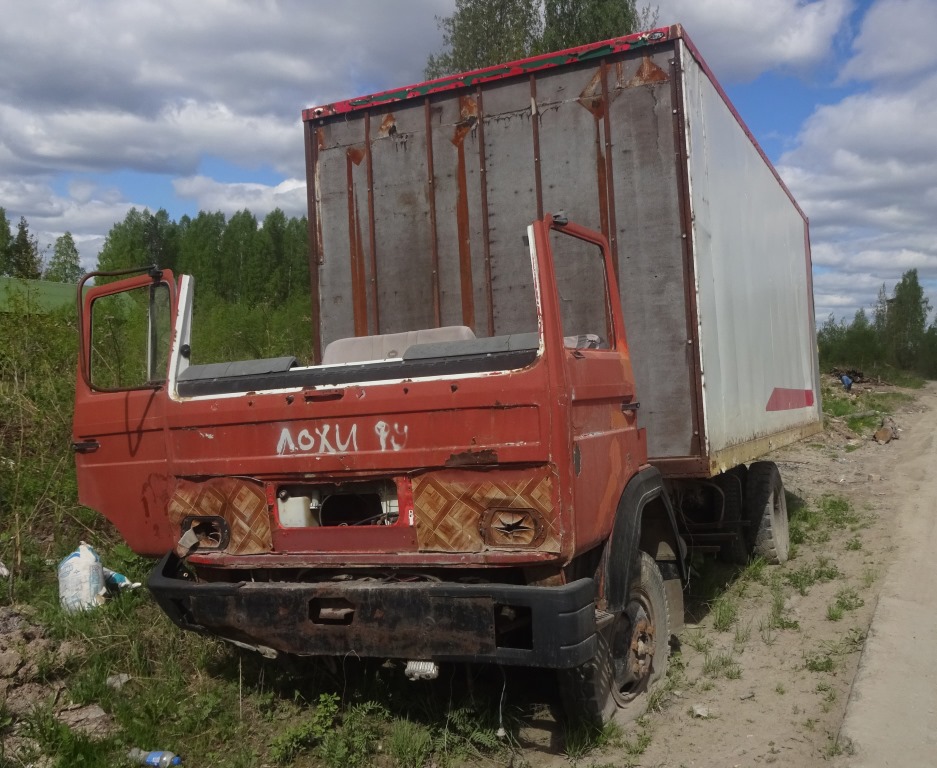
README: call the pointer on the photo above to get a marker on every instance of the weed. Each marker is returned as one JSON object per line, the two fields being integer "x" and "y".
{"x": 768, "y": 632}
{"x": 838, "y": 745}
{"x": 838, "y": 512}
{"x": 849, "y": 599}
{"x": 754, "y": 571}
{"x": 579, "y": 738}
{"x": 853, "y": 641}
{"x": 409, "y": 744}
{"x": 777, "y": 617}
{"x": 810, "y": 724}
{"x": 742, "y": 636}
{"x": 721, "y": 665}
{"x": 302, "y": 737}
{"x": 725, "y": 610}
{"x": 869, "y": 577}
{"x": 821, "y": 662}
{"x": 834, "y": 612}
{"x": 68, "y": 747}
{"x": 660, "y": 696}
{"x": 698, "y": 641}
{"x": 801, "y": 579}
{"x": 355, "y": 742}
{"x": 466, "y": 734}
{"x": 854, "y": 544}
{"x": 780, "y": 689}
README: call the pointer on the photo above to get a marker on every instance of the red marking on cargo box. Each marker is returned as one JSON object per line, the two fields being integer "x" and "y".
{"x": 789, "y": 399}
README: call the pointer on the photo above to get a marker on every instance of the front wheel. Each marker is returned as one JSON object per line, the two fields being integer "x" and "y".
{"x": 632, "y": 655}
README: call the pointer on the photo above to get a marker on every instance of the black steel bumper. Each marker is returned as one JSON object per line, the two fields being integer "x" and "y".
{"x": 502, "y": 623}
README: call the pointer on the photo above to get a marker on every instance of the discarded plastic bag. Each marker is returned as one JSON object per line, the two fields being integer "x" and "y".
{"x": 81, "y": 580}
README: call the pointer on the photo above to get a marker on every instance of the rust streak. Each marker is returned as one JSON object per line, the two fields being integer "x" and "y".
{"x": 486, "y": 234}
{"x": 431, "y": 186}
{"x": 535, "y": 128}
{"x": 372, "y": 230}
{"x": 468, "y": 118}
{"x": 354, "y": 156}
{"x": 609, "y": 185}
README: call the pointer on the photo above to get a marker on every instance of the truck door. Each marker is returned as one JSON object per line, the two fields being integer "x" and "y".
{"x": 606, "y": 446}
{"x": 120, "y": 397}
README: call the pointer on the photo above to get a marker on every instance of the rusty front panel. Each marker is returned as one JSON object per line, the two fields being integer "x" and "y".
{"x": 452, "y": 508}
{"x": 402, "y": 221}
{"x": 459, "y": 212}
{"x": 241, "y": 503}
{"x": 368, "y": 431}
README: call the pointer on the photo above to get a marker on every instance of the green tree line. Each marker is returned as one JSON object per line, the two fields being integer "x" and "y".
{"x": 20, "y": 255}
{"x": 895, "y": 337}
{"x": 482, "y": 33}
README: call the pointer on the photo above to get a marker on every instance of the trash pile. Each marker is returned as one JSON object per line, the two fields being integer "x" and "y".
{"x": 84, "y": 583}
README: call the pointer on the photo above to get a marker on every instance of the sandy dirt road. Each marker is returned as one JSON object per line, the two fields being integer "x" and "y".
{"x": 773, "y": 687}
{"x": 891, "y": 718}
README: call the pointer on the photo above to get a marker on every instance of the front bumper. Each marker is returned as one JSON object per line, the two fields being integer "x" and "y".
{"x": 508, "y": 624}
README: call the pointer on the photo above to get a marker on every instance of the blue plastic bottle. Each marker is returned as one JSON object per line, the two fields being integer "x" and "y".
{"x": 162, "y": 759}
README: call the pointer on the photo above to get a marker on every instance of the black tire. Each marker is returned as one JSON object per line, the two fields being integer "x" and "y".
{"x": 767, "y": 511}
{"x": 733, "y": 484}
{"x": 629, "y": 659}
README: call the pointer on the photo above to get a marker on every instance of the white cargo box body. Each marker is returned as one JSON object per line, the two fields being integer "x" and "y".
{"x": 418, "y": 199}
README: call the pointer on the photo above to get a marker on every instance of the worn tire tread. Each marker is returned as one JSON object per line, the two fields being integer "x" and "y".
{"x": 764, "y": 480}
{"x": 586, "y": 690}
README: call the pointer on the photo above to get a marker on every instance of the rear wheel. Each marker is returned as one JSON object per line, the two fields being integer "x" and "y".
{"x": 732, "y": 483}
{"x": 631, "y": 656}
{"x": 767, "y": 512}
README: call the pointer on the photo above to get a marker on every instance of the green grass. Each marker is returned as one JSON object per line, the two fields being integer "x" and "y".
{"x": 721, "y": 665}
{"x": 847, "y": 599}
{"x": 724, "y": 611}
{"x": 848, "y": 407}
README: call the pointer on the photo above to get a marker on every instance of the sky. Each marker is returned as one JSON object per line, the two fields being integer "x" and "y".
{"x": 191, "y": 105}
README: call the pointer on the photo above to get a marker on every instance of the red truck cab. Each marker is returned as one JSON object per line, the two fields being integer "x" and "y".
{"x": 425, "y": 495}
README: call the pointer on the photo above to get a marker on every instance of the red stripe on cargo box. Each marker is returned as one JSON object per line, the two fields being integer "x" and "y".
{"x": 789, "y": 399}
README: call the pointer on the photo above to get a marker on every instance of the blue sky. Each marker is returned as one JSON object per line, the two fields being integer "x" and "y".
{"x": 110, "y": 104}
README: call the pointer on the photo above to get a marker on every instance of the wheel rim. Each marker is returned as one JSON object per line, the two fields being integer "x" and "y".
{"x": 633, "y": 649}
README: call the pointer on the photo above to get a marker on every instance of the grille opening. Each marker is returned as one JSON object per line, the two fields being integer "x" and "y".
{"x": 352, "y": 509}
{"x": 513, "y": 627}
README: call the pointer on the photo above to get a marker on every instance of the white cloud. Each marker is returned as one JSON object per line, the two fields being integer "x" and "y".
{"x": 896, "y": 40}
{"x": 744, "y": 38}
{"x": 151, "y": 85}
{"x": 866, "y": 174}
{"x": 211, "y": 195}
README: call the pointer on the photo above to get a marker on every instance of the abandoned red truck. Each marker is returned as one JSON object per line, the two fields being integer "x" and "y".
{"x": 558, "y": 306}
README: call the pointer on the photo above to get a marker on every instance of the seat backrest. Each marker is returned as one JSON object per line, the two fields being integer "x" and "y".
{"x": 359, "y": 349}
